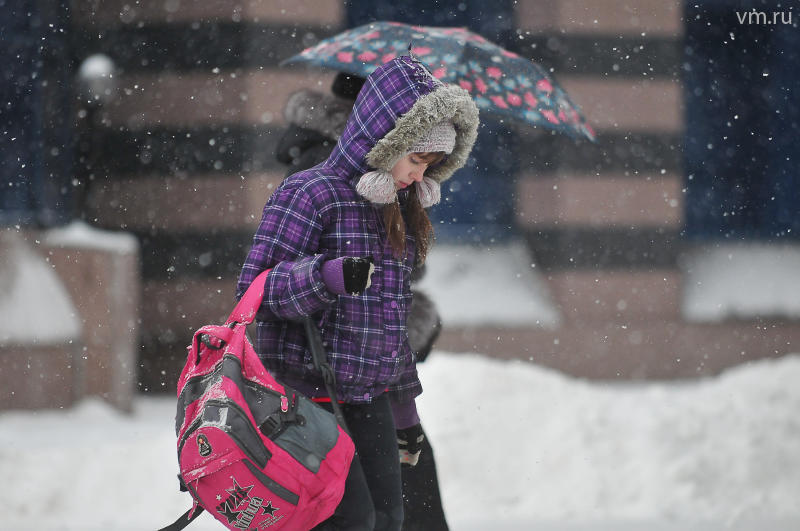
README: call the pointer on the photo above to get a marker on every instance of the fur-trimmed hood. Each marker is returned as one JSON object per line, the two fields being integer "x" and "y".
{"x": 400, "y": 102}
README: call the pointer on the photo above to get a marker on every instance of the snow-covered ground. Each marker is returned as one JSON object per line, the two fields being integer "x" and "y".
{"x": 518, "y": 447}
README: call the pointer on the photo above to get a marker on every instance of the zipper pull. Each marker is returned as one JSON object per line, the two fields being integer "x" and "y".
{"x": 195, "y": 503}
{"x": 284, "y": 404}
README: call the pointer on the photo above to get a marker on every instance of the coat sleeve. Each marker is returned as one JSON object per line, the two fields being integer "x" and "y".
{"x": 287, "y": 241}
{"x": 408, "y": 386}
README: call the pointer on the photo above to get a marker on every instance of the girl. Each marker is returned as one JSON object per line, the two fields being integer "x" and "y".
{"x": 341, "y": 239}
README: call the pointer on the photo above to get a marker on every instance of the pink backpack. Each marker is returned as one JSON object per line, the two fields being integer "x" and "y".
{"x": 252, "y": 452}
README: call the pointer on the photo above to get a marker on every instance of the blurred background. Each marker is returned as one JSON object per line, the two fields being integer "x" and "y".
{"x": 138, "y": 148}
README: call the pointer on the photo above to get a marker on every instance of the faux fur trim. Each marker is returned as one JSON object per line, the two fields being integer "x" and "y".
{"x": 324, "y": 113}
{"x": 446, "y": 102}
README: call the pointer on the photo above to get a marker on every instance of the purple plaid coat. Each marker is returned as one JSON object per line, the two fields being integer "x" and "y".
{"x": 316, "y": 215}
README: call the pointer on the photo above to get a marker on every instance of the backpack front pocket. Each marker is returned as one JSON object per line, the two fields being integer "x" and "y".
{"x": 242, "y": 496}
{"x": 222, "y": 478}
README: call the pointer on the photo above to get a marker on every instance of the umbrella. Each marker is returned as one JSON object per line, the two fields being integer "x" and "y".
{"x": 501, "y": 82}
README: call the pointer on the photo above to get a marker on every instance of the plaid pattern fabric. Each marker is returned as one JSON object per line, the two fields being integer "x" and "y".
{"x": 316, "y": 215}
{"x": 389, "y": 92}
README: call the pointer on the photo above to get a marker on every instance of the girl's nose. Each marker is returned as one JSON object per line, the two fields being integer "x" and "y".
{"x": 417, "y": 175}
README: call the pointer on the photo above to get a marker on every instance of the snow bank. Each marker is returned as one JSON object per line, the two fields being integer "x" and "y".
{"x": 35, "y": 306}
{"x": 518, "y": 447}
{"x": 742, "y": 281}
{"x": 81, "y": 235}
{"x": 497, "y": 285}
{"x": 534, "y": 445}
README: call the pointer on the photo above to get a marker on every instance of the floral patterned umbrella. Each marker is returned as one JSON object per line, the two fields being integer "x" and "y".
{"x": 501, "y": 82}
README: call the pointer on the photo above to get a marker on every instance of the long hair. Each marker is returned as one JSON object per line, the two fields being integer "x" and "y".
{"x": 416, "y": 218}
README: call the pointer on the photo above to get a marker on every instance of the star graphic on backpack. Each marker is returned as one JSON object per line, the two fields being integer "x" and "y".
{"x": 239, "y": 494}
{"x": 269, "y": 509}
{"x": 228, "y": 512}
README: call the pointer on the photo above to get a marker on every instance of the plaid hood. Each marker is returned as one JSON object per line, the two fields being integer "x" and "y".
{"x": 399, "y": 103}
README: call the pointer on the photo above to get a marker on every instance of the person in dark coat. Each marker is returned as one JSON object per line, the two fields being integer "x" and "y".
{"x": 315, "y": 122}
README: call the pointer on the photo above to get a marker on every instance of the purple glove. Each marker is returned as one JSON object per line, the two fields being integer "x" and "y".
{"x": 349, "y": 275}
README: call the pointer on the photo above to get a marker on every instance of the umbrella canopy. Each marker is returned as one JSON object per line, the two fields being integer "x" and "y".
{"x": 501, "y": 82}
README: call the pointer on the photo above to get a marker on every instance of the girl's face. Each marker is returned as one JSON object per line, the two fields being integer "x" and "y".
{"x": 411, "y": 168}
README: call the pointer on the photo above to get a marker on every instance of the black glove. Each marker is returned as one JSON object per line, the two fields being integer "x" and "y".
{"x": 409, "y": 441}
{"x": 357, "y": 273}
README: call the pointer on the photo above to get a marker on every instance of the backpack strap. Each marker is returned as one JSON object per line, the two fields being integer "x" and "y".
{"x": 320, "y": 359}
{"x": 184, "y": 520}
{"x": 245, "y": 311}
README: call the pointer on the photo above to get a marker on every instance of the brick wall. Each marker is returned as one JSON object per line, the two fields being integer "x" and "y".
{"x": 605, "y": 226}
{"x": 604, "y": 220}
{"x": 187, "y": 160}
{"x": 72, "y": 297}
{"x": 186, "y": 150}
